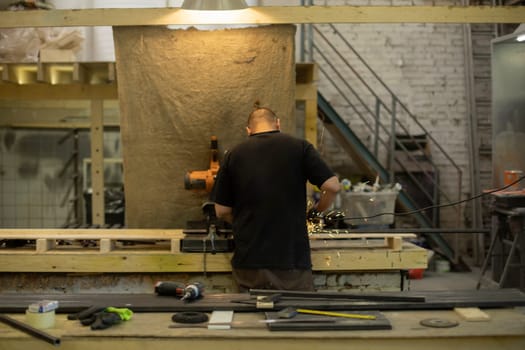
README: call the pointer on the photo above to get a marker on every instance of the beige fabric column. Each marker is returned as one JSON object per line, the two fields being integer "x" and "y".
{"x": 177, "y": 88}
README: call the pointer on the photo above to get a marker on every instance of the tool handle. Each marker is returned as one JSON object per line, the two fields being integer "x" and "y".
{"x": 336, "y": 314}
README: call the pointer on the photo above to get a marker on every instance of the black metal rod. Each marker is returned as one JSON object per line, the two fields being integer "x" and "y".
{"x": 24, "y": 327}
{"x": 336, "y": 295}
{"x": 408, "y": 230}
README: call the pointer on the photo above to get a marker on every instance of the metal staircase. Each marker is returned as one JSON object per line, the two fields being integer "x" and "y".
{"x": 379, "y": 132}
{"x": 369, "y": 163}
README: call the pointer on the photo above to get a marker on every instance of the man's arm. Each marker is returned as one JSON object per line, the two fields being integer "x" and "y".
{"x": 224, "y": 213}
{"x": 329, "y": 190}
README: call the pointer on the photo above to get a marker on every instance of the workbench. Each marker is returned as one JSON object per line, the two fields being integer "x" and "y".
{"x": 504, "y": 330}
{"x": 345, "y": 252}
{"x": 332, "y": 256}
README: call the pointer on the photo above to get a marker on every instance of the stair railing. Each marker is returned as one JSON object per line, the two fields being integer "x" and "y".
{"x": 382, "y": 119}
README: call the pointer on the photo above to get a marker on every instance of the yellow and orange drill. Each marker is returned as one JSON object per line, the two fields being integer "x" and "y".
{"x": 204, "y": 179}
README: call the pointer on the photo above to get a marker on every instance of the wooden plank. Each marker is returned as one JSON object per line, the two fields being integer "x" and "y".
{"x": 106, "y": 245}
{"x": 98, "y": 216}
{"x": 306, "y": 92}
{"x": 79, "y": 73}
{"x": 368, "y": 259}
{"x": 49, "y": 257}
{"x": 310, "y": 123}
{"x": 175, "y": 246}
{"x": 43, "y": 245}
{"x": 120, "y": 260}
{"x": 150, "y": 331}
{"x": 158, "y": 234}
{"x": 87, "y": 260}
{"x": 472, "y": 314}
{"x": 394, "y": 243}
{"x": 121, "y": 234}
{"x": 58, "y": 92}
{"x": 264, "y": 15}
{"x": 19, "y": 73}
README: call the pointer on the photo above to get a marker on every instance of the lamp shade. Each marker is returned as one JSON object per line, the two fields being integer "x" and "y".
{"x": 210, "y": 5}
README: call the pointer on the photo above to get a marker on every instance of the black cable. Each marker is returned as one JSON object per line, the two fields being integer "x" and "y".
{"x": 435, "y": 206}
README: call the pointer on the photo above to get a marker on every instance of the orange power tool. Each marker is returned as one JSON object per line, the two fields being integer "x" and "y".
{"x": 204, "y": 179}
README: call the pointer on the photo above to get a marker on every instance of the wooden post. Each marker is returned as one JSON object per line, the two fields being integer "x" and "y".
{"x": 97, "y": 162}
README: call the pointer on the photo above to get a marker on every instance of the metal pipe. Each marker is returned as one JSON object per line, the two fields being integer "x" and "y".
{"x": 336, "y": 295}
{"x": 376, "y": 128}
{"x": 24, "y": 327}
{"x": 392, "y": 140}
{"x": 407, "y": 230}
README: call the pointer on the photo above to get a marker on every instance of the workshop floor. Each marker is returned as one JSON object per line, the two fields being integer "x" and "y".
{"x": 450, "y": 281}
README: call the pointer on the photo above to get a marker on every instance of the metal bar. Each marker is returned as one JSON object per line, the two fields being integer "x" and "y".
{"x": 508, "y": 261}
{"x": 335, "y": 295}
{"x": 376, "y": 129}
{"x": 436, "y": 201}
{"x": 488, "y": 256}
{"x": 409, "y": 230}
{"x": 472, "y": 119}
{"x": 24, "y": 327}
{"x": 392, "y": 139}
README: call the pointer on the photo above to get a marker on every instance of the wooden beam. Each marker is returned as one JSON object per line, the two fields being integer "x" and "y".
{"x": 306, "y": 90}
{"x": 52, "y": 125}
{"x": 19, "y": 73}
{"x": 58, "y": 92}
{"x": 49, "y": 257}
{"x": 67, "y": 234}
{"x": 122, "y": 260}
{"x": 264, "y": 15}
{"x": 97, "y": 162}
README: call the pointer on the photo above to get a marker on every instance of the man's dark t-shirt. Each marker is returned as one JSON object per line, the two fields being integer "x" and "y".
{"x": 264, "y": 181}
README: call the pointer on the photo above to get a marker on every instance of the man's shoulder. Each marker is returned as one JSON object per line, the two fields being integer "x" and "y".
{"x": 291, "y": 138}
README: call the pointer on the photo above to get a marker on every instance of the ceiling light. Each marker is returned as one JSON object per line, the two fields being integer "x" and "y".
{"x": 211, "y": 5}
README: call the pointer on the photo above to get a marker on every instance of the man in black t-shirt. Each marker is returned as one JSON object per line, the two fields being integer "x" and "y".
{"x": 261, "y": 190}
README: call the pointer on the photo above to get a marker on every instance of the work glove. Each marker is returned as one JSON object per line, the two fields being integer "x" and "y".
{"x": 106, "y": 318}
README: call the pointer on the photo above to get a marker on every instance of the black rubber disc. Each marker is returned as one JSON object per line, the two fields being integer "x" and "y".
{"x": 189, "y": 317}
{"x": 438, "y": 323}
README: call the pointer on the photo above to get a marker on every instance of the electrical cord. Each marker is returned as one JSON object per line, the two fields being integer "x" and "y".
{"x": 434, "y": 206}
